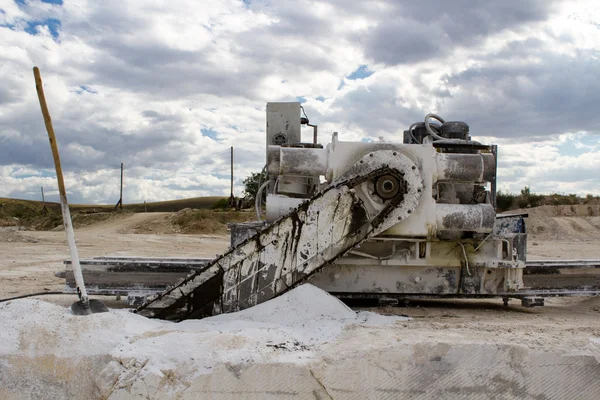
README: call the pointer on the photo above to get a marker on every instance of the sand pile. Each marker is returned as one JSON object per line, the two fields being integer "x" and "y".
{"x": 120, "y": 354}
{"x": 574, "y": 222}
{"x": 305, "y": 344}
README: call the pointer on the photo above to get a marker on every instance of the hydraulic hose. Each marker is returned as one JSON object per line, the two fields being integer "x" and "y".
{"x": 428, "y": 127}
{"x": 31, "y": 295}
{"x": 258, "y": 199}
{"x": 410, "y": 131}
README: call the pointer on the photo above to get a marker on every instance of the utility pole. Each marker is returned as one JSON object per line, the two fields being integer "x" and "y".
{"x": 120, "y": 202}
{"x": 44, "y": 209}
{"x": 121, "y": 196}
{"x": 232, "y": 202}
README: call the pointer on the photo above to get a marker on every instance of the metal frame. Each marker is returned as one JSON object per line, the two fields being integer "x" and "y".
{"x": 169, "y": 270}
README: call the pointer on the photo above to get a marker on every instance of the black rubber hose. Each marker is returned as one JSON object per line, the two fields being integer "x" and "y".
{"x": 428, "y": 128}
{"x": 410, "y": 131}
{"x": 31, "y": 295}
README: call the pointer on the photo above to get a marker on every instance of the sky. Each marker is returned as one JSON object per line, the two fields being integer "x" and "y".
{"x": 166, "y": 87}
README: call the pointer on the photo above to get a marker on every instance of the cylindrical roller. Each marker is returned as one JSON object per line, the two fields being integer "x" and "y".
{"x": 301, "y": 161}
{"x": 465, "y": 217}
{"x": 465, "y": 167}
{"x": 296, "y": 161}
{"x": 278, "y": 206}
{"x": 273, "y": 156}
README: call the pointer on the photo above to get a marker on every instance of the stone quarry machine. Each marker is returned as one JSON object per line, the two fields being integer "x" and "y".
{"x": 381, "y": 220}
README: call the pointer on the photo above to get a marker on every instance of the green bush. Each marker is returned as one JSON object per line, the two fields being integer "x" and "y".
{"x": 504, "y": 201}
{"x": 508, "y": 201}
{"x": 251, "y": 185}
{"x": 528, "y": 199}
{"x": 220, "y": 204}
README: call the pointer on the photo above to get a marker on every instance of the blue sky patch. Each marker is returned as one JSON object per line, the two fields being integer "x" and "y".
{"x": 579, "y": 145}
{"x": 222, "y": 176}
{"x": 320, "y": 98}
{"x": 361, "y": 73}
{"x": 43, "y": 173}
{"x": 84, "y": 88}
{"x": 209, "y": 133}
{"x": 301, "y": 99}
{"x": 57, "y": 2}
{"x": 52, "y": 23}
{"x": 341, "y": 85}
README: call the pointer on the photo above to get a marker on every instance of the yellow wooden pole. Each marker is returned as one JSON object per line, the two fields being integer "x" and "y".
{"x": 84, "y": 306}
{"x": 50, "y": 129}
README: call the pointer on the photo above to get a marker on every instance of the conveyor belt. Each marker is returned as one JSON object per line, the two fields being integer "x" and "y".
{"x": 293, "y": 248}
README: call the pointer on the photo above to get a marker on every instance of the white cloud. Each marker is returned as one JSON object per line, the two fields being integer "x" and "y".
{"x": 138, "y": 83}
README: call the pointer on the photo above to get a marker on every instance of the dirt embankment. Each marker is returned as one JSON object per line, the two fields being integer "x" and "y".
{"x": 23, "y": 215}
{"x": 36, "y": 215}
{"x": 17, "y": 216}
{"x": 574, "y": 222}
{"x": 189, "y": 221}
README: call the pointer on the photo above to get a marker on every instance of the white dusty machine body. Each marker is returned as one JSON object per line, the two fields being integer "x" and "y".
{"x": 358, "y": 219}
{"x": 386, "y": 220}
{"x": 449, "y": 244}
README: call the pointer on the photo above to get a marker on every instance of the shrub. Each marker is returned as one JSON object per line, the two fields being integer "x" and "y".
{"x": 220, "y": 204}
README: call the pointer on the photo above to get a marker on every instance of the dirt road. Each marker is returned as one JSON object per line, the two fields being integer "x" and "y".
{"x": 29, "y": 259}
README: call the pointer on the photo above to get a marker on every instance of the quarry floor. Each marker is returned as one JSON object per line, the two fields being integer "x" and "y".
{"x": 448, "y": 349}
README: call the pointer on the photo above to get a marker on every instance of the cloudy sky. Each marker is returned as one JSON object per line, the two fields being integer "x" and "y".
{"x": 168, "y": 86}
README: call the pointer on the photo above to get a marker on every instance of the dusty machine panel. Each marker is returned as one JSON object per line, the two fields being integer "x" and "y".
{"x": 283, "y": 123}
